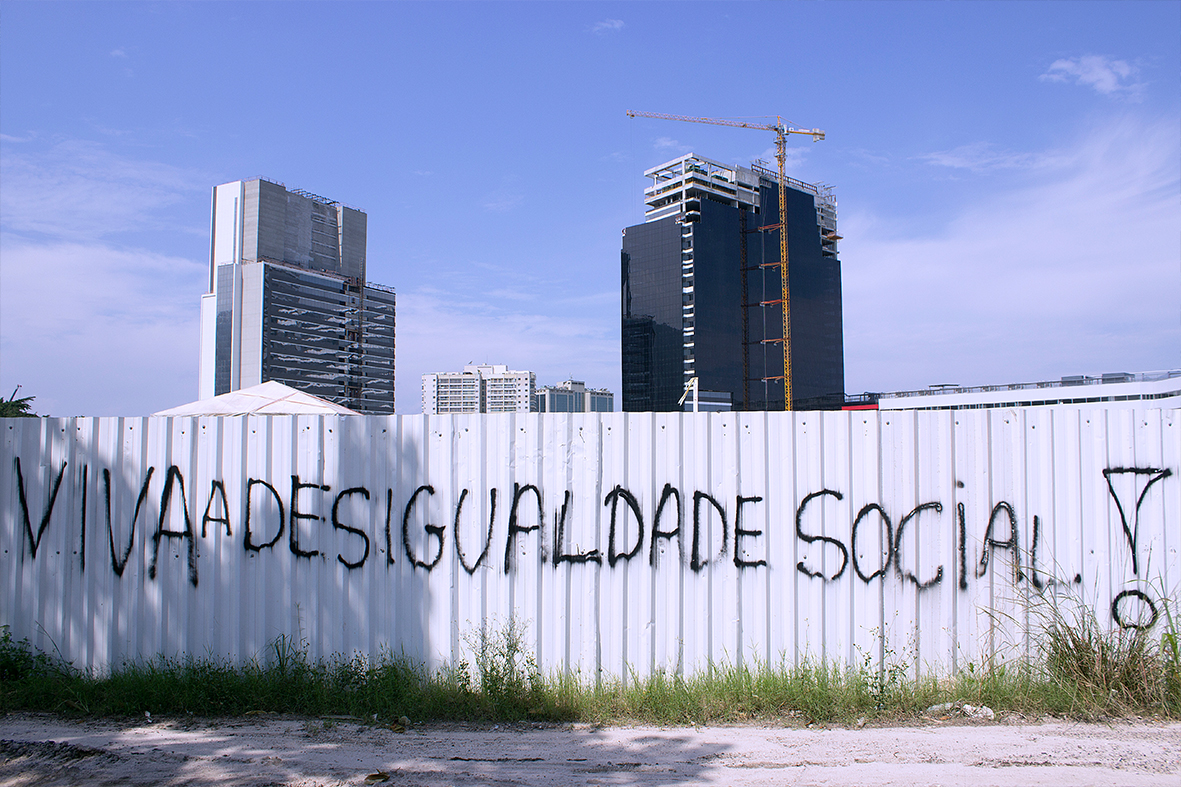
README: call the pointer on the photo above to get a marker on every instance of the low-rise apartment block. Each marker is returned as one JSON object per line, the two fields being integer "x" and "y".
{"x": 572, "y": 396}
{"x": 479, "y": 388}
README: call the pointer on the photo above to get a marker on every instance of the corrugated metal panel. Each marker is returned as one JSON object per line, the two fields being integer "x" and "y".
{"x": 621, "y": 544}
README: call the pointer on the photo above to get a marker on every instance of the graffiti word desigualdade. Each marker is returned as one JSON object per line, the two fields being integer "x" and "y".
{"x": 278, "y": 516}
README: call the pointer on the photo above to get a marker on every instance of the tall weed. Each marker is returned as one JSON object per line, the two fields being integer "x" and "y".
{"x": 1104, "y": 670}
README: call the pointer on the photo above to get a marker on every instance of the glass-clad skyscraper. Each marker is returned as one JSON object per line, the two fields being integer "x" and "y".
{"x": 701, "y": 291}
{"x": 288, "y": 300}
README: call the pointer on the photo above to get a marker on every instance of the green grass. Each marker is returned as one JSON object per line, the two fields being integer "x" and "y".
{"x": 1087, "y": 673}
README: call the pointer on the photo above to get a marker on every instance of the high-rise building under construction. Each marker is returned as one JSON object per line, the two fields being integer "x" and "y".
{"x": 701, "y": 292}
{"x": 288, "y": 300}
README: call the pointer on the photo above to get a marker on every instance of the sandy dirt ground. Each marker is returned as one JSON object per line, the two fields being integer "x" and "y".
{"x": 272, "y": 750}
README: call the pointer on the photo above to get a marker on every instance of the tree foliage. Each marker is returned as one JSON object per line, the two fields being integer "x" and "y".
{"x": 17, "y": 408}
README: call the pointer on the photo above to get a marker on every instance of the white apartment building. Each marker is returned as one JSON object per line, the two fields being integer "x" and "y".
{"x": 479, "y": 388}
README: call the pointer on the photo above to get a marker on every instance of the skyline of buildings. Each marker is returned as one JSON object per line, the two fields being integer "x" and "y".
{"x": 288, "y": 300}
{"x": 701, "y": 291}
{"x": 494, "y": 388}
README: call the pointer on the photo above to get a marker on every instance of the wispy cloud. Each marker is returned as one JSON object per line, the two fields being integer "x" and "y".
{"x": 793, "y": 159}
{"x": 90, "y": 329}
{"x": 87, "y": 326}
{"x": 985, "y": 156}
{"x": 522, "y": 333}
{"x": 80, "y": 190}
{"x": 118, "y": 53}
{"x": 607, "y": 26}
{"x": 512, "y": 294}
{"x": 1108, "y": 77}
{"x": 502, "y": 201}
{"x": 1075, "y": 275}
{"x": 868, "y": 157}
{"x": 666, "y": 144}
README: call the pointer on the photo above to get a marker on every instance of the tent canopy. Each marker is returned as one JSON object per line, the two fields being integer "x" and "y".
{"x": 270, "y": 398}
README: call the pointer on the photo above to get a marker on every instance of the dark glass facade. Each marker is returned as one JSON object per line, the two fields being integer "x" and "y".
{"x": 322, "y": 334}
{"x": 653, "y": 362}
{"x": 721, "y": 260}
{"x": 224, "y": 330}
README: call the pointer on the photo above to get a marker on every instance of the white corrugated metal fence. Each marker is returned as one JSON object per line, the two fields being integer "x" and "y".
{"x": 621, "y": 543}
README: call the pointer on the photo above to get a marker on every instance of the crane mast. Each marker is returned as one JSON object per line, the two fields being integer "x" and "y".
{"x": 781, "y": 131}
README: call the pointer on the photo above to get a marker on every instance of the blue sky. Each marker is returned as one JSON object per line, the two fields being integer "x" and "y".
{"x": 1007, "y": 174}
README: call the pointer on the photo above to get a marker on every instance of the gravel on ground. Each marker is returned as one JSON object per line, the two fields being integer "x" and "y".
{"x": 263, "y": 750}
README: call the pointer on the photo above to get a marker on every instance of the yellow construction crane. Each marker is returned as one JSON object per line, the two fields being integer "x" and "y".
{"x": 781, "y": 130}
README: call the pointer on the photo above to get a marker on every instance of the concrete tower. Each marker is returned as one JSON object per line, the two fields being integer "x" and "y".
{"x": 288, "y": 300}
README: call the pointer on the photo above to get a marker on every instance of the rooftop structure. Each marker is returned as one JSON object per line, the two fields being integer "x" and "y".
{"x": 1112, "y": 390}
{"x": 679, "y": 185}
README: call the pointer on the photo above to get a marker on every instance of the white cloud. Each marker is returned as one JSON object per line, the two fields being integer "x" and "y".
{"x": 607, "y": 26}
{"x": 93, "y": 330}
{"x": 118, "y": 53}
{"x": 1106, "y": 76}
{"x": 80, "y": 190}
{"x": 1077, "y": 275}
